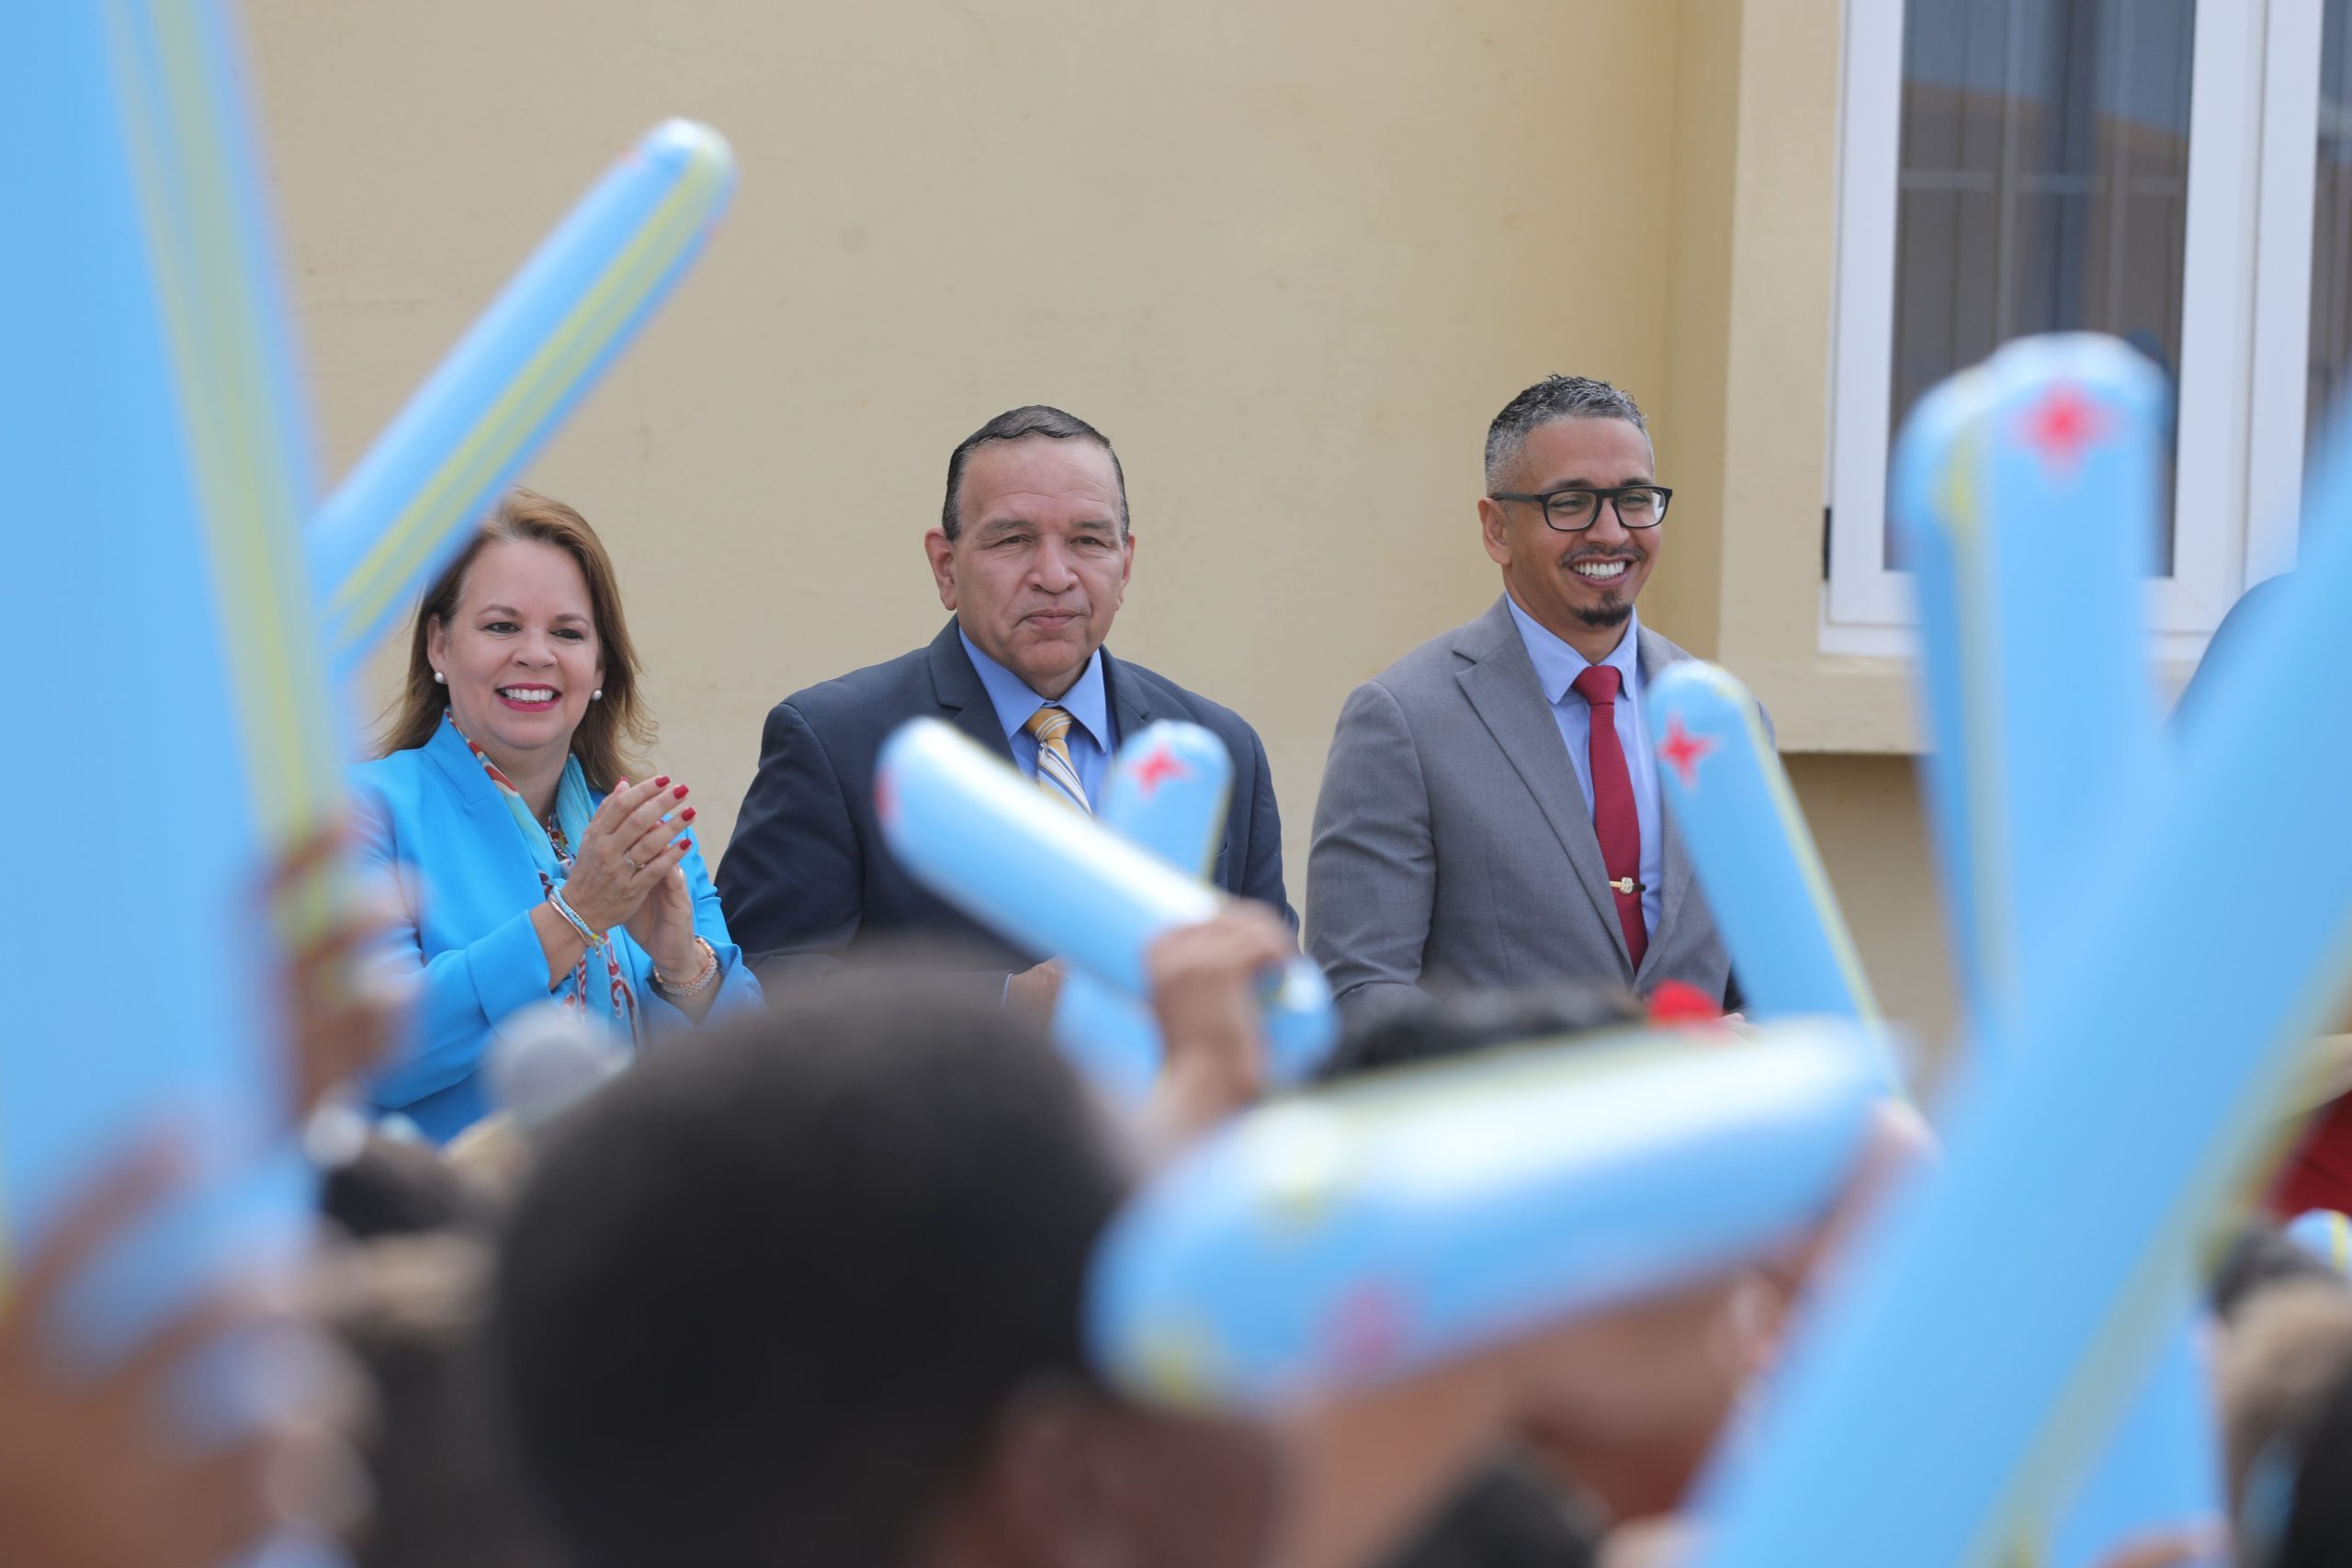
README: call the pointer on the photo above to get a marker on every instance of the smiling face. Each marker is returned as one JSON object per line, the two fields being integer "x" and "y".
{"x": 520, "y": 654}
{"x": 1040, "y": 561}
{"x": 1580, "y": 587}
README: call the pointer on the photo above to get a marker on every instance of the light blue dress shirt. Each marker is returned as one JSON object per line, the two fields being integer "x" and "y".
{"x": 1556, "y": 668}
{"x": 1090, "y": 741}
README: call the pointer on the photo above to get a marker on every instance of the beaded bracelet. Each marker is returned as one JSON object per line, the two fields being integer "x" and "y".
{"x": 588, "y": 934}
{"x": 703, "y": 978}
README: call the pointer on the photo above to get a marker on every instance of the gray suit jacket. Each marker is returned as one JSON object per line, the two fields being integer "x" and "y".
{"x": 1453, "y": 848}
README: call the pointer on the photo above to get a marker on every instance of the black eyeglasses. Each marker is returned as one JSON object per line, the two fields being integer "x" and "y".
{"x": 1573, "y": 511}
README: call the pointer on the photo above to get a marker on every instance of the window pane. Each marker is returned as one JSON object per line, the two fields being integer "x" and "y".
{"x": 2045, "y": 184}
{"x": 2331, "y": 353}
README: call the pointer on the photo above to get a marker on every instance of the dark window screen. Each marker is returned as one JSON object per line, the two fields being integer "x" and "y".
{"x": 2045, "y": 184}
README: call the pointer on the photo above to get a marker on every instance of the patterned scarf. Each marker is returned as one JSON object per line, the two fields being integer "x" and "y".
{"x": 550, "y": 846}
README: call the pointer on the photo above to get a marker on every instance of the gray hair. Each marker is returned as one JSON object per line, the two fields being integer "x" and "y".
{"x": 1555, "y": 397}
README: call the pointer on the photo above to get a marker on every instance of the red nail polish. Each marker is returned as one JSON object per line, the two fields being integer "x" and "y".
{"x": 680, "y": 792}
{"x": 687, "y": 815}
{"x": 661, "y": 780}
{"x": 682, "y": 845}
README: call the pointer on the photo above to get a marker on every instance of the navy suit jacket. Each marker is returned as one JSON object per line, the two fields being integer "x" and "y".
{"x": 808, "y": 883}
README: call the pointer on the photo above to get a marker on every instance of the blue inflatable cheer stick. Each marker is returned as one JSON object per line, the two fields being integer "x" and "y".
{"x": 1762, "y": 876}
{"x": 1933, "y": 1405}
{"x": 1167, "y": 791}
{"x": 156, "y": 474}
{"x": 1051, "y": 880}
{"x": 1349, "y": 1236}
{"x": 2026, "y": 490}
{"x": 2160, "y": 1473}
{"x": 406, "y": 505}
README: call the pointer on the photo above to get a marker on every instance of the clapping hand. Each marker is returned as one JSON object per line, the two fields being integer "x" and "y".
{"x": 627, "y": 852}
{"x": 664, "y": 923}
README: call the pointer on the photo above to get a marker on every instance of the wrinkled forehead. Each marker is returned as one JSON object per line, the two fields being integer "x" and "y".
{"x": 1051, "y": 477}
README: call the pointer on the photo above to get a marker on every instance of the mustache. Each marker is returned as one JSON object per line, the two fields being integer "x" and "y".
{"x": 1631, "y": 554}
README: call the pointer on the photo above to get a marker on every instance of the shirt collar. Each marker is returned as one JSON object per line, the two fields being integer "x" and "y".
{"x": 1557, "y": 665}
{"x": 1086, "y": 700}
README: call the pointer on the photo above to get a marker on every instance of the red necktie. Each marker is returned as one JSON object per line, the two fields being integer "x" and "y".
{"x": 1614, "y": 822}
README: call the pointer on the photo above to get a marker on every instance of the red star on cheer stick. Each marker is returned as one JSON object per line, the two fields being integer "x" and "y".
{"x": 2062, "y": 426}
{"x": 1156, "y": 770}
{"x": 1681, "y": 752}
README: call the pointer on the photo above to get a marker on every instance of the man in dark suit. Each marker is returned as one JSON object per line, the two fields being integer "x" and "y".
{"x": 1032, "y": 553}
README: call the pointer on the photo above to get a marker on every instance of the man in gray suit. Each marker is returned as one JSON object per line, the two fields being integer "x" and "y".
{"x": 1490, "y": 813}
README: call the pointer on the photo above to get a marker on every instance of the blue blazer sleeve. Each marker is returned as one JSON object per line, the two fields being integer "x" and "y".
{"x": 468, "y": 888}
{"x": 462, "y": 988}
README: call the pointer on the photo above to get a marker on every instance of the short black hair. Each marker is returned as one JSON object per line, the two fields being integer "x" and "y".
{"x": 1015, "y": 424}
{"x": 1421, "y": 1027}
{"x": 390, "y": 1188}
{"x": 765, "y": 1292}
{"x": 1555, "y": 397}
{"x": 2260, "y": 1256}
{"x": 1507, "y": 1516}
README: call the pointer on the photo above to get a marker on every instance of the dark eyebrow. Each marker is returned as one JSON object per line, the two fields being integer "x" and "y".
{"x": 996, "y": 528}
{"x": 511, "y": 610}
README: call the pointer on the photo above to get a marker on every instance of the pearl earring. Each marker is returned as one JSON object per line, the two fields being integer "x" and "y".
{"x": 439, "y": 679}
{"x": 597, "y": 696}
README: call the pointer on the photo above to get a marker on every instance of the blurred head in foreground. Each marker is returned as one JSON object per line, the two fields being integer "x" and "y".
{"x": 1632, "y": 1444}
{"x": 809, "y": 1291}
{"x": 406, "y": 1306}
{"x": 2285, "y": 1371}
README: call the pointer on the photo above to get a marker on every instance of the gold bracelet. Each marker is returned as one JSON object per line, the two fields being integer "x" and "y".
{"x": 701, "y": 982}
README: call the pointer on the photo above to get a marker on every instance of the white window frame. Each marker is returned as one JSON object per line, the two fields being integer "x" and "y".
{"x": 2246, "y": 295}
{"x": 2282, "y": 312}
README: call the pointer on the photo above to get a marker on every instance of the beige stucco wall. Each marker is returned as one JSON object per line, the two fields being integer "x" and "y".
{"x": 1291, "y": 257}
{"x": 1864, "y": 812}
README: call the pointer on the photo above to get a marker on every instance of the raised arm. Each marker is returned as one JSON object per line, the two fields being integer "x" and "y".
{"x": 460, "y": 991}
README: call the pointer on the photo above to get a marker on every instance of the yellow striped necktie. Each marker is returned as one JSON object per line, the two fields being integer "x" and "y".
{"x": 1056, "y": 775}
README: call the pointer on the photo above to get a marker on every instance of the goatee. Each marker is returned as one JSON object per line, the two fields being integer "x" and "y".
{"x": 1601, "y": 616}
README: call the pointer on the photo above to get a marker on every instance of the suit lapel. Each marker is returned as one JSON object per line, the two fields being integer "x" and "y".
{"x": 1133, "y": 710}
{"x": 1501, "y": 687}
{"x": 464, "y": 771}
{"x": 963, "y": 700}
{"x": 484, "y": 803}
{"x": 1131, "y": 705}
{"x": 1677, "y": 874}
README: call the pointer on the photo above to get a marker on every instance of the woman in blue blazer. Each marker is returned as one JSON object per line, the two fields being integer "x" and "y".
{"x": 531, "y": 870}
